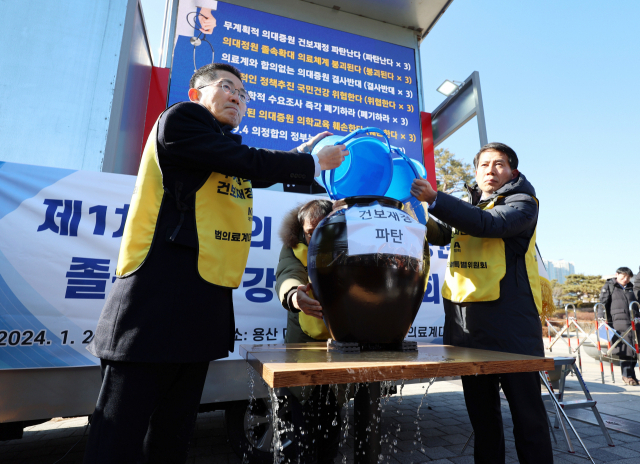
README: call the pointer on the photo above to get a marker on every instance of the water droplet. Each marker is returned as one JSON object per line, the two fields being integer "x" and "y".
{"x": 395, "y": 450}
{"x": 415, "y": 442}
{"x": 326, "y": 435}
{"x": 335, "y": 422}
{"x": 395, "y": 442}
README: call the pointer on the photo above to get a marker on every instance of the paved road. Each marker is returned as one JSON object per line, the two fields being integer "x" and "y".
{"x": 444, "y": 428}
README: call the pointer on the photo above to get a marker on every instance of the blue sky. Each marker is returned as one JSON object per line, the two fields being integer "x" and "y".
{"x": 557, "y": 85}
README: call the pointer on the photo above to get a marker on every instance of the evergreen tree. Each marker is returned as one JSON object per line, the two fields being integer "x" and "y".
{"x": 451, "y": 173}
{"x": 581, "y": 290}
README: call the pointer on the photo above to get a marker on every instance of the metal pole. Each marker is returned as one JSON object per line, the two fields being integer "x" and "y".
{"x": 367, "y": 421}
{"x": 575, "y": 322}
{"x": 606, "y": 326}
{"x": 566, "y": 316}
{"x": 482, "y": 126}
{"x": 633, "y": 326}
{"x": 595, "y": 310}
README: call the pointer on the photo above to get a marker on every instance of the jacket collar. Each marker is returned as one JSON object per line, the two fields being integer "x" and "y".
{"x": 518, "y": 185}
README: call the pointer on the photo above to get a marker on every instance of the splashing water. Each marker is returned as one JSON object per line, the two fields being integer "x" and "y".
{"x": 418, "y": 418}
{"x": 275, "y": 423}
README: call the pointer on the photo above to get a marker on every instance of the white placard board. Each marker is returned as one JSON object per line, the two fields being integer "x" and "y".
{"x": 376, "y": 229}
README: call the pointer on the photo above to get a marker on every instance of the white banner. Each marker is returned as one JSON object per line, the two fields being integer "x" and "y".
{"x": 60, "y": 232}
{"x": 379, "y": 229}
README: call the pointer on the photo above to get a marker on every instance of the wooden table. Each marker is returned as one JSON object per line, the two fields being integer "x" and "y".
{"x": 299, "y": 364}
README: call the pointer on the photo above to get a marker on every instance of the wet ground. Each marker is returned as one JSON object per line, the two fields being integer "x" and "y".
{"x": 444, "y": 429}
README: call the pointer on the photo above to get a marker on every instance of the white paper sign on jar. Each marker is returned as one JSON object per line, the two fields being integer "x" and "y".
{"x": 375, "y": 229}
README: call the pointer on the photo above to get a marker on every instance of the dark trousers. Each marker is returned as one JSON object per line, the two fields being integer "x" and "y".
{"x": 316, "y": 438}
{"x": 530, "y": 427}
{"x": 628, "y": 368}
{"x": 145, "y": 412}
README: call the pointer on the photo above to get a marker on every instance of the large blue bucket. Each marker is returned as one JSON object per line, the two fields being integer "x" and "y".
{"x": 366, "y": 171}
{"x": 405, "y": 171}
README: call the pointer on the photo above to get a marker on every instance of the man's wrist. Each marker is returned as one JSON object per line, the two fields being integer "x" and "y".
{"x": 433, "y": 203}
{"x": 317, "y": 169}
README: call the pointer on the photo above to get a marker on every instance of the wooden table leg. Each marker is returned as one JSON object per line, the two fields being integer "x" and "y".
{"x": 367, "y": 424}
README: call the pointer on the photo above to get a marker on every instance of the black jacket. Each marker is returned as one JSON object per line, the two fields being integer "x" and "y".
{"x": 511, "y": 323}
{"x": 636, "y": 285}
{"x": 165, "y": 312}
{"x": 616, "y": 301}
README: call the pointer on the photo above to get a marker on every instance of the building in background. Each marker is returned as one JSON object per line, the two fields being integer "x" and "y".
{"x": 559, "y": 269}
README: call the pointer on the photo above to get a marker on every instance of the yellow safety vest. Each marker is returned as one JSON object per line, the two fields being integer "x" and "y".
{"x": 224, "y": 220}
{"x": 312, "y": 326}
{"x": 477, "y": 265}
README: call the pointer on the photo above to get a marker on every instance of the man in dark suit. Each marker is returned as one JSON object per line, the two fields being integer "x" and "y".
{"x": 184, "y": 249}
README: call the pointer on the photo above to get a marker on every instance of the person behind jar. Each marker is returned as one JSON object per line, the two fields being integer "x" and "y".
{"x": 184, "y": 249}
{"x": 492, "y": 297}
{"x": 313, "y": 409}
{"x": 616, "y": 296}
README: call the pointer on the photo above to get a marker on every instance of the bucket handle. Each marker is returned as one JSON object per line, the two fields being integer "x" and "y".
{"x": 397, "y": 151}
{"x": 364, "y": 130}
{"x": 348, "y": 137}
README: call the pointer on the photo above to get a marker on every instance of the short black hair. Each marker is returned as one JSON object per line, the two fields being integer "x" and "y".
{"x": 624, "y": 270}
{"x": 209, "y": 73}
{"x": 314, "y": 210}
{"x": 502, "y": 148}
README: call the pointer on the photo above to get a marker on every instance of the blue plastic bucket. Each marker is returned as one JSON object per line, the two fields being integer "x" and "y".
{"x": 366, "y": 171}
{"x": 405, "y": 171}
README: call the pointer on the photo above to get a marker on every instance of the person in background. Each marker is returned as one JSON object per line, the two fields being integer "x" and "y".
{"x": 492, "y": 297}
{"x": 304, "y": 325}
{"x": 616, "y": 296}
{"x": 636, "y": 285}
{"x": 184, "y": 249}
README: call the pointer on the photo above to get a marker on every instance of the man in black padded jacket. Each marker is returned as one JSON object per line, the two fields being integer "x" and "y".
{"x": 184, "y": 248}
{"x": 616, "y": 296}
{"x": 492, "y": 297}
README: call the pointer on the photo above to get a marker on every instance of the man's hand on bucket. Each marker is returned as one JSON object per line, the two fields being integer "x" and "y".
{"x": 332, "y": 156}
{"x": 422, "y": 190}
{"x": 306, "y": 304}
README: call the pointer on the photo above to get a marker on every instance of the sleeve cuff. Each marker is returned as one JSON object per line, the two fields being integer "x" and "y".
{"x": 432, "y": 205}
{"x": 289, "y": 299}
{"x": 316, "y": 163}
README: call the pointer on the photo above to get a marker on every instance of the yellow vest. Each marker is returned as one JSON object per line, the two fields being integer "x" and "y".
{"x": 224, "y": 220}
{"x": 312, "y": 326}
{"x": 477, "y": 265}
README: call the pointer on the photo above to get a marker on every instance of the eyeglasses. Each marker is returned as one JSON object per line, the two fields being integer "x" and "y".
{"x": 243, "y": 96}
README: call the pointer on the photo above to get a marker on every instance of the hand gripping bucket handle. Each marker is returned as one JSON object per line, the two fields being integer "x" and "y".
{"x": 331, "y": 191}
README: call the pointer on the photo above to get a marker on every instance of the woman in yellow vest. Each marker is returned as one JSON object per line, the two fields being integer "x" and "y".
{"x": 304, "y": 325}
{"x": 492, "y": 297}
